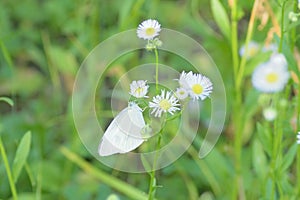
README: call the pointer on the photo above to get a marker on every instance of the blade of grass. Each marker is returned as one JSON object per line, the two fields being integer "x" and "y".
{"x": 7, "y": 100}
{"x": 115, "y": 183}
{"x": 21, "y": 155}
{"x": 8, "y": 171}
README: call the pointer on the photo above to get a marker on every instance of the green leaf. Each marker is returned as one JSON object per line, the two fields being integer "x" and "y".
{"x": 7, "y": 100}
{"x": 221, "y": 17}
{"x": 259, "y": 159}
{"x": 265, "y": 138}
{"x": 21, "y": 155}
{"x": 289, "y": 158}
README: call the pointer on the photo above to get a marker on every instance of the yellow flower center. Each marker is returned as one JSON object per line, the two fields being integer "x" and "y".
{"x": 139, "y": 90}
{"x": 197, "y": 89}
{"x": 182, "y": 92}
{"x": 150, "y": 31}
{"x": 272, "y": 77}
{"x": 165, "y": 104}
{"x": 252, "y": 51}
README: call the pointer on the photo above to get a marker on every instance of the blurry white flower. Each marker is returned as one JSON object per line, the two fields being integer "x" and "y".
{"x": 139, "y": 88}
{"x": 165, "y": 102}
{"x": 298, "y": 138}
{"x": 270, "y": 47}
{"x": 293, "y": 16}
{"x": 269, "y": 77}
{"x": 148, "y": 29}
{"x": 112, "y": 197}
{"x": 253, "y": 49}
{"x": 270, "y": 114}
{"x": 181, "y": 93}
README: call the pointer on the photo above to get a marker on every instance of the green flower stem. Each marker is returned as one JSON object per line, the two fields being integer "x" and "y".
{"x": 282, "y": 26}
{"x": 277, "y": 148}
{"x": 248, "y": 39}
{"x": 293, "y": 31}
{"x": 152, "y": 183}
{"x": 234, "y": 38}
{"x": 238, "y": 188}
{"x": 8, "y": 171}
{"x": 156, "y": 69}
{"x": 115, "y": 183}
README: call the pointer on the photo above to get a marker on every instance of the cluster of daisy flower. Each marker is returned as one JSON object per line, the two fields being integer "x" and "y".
{"x": 149, "y": 30}
{"x": 192, "y": 86}
{"x": 268, "y": 77}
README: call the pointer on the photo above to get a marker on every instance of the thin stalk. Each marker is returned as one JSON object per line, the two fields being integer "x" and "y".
{"x": 8, "y": 171}
{"x": 156, "y": 69}
{"x": 152, "y": 184}
{"x": 234, "y": 37}
{"x": 238, "y": 191}
{"x": 282, "y": 27}
{"x": 248, "y": 39}
{"x": 275, "y": 151}
{"x": 293, "y": 31}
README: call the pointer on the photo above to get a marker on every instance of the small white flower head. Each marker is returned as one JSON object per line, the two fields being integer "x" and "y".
{"x": 270, "y": 114}
{"x": 181, "y": 93}
{"x": 270, "y": 78}
{"x": 293, "y": 16}
{"x": 148, "y": 29}
{"x": 139, "y": 88}
{"x": 253, "y": 48}
{"x": 165, "y": 102}
{"x": 298, "y": 138}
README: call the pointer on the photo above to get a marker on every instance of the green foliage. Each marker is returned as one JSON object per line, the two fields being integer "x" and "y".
{"x": 42, "y": 45}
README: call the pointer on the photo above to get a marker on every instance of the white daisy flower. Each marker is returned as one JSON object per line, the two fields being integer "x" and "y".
{"x": 269, "y": 78}
{"x": 148, "y": 29}
{"x": 199, "y": 86}
{"x": 253, "y": 49}
{"x": 270, "y": 114}
{"x": 298, "y": 138}
{"x": 165, "y": 102}
{"x": 181, "y": 93}
{"x": 139, "y": 88}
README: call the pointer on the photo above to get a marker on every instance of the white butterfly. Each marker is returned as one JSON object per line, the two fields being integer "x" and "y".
{"x": 124, "y": 132}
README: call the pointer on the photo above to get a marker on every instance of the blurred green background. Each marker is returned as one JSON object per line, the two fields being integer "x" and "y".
{"x": 43, "y": 44}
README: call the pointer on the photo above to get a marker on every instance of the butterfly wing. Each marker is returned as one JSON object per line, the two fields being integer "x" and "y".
{"x": 124, "y": 132}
